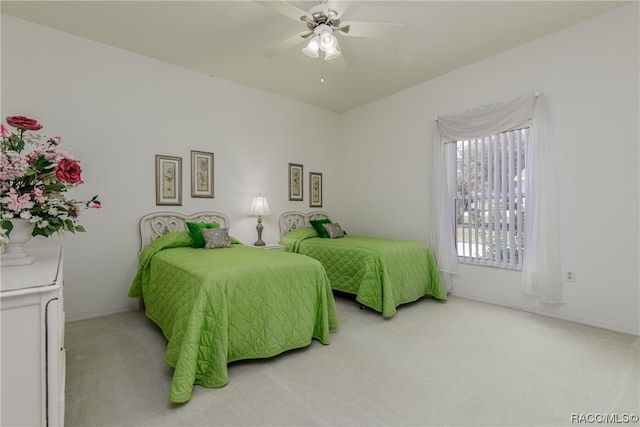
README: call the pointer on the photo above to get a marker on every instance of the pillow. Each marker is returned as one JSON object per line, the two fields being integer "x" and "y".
{"x": 333, "y": 230}
{"x": 196, "y": 235}
{"x": 317, "y": 224}
{"x": 174, "y": 239}
{"x": 301, "y": 233}
{"x": 216, "y": 238}
{"x": 291, "y": 240}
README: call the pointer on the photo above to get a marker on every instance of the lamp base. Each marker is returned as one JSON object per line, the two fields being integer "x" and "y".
{"x": 259, "y": 242}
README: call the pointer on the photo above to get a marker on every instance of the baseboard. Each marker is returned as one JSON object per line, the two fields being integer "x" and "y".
{"x": 528, "y": 309}
{"x": 86, "y": 316}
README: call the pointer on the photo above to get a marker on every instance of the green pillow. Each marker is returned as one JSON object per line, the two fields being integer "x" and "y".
{"x": 196, "y": 234}
{"x": 301, "y": 233}
{"x": 317, "y": 224}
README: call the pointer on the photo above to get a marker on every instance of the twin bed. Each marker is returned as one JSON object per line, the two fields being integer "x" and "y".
{"x": 216, "y": 306}
{"x": 381, "y": 273}
{"x": 236, "y": 301}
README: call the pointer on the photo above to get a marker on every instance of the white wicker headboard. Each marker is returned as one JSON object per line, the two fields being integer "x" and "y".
{"x": 156, "y": 224}
{"x": 293, "y": 220}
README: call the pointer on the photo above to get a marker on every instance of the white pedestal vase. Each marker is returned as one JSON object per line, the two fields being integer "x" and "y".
{"x": 14, "y": 253}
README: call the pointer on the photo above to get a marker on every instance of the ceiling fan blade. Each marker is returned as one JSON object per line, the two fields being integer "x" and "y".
{"x": 338, "y": 5}
{"x": 378, "y": 30}
{"x": 284, "y": 8}
{"x": 286, "y": 44}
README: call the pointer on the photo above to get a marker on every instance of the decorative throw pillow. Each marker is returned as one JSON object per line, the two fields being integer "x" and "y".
{"x": 333, "y": 230}
{"x": 317, "y": 224}
{"x": 194, "y": 229}
{"x": 216, "y": 238}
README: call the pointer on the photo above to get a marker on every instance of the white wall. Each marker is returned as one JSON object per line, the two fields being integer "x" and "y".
{"x": 590, "y": 75}
{"x": 115, "y": 111}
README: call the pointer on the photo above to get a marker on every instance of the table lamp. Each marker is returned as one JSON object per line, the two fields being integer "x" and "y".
{"x": 260, "y": 207}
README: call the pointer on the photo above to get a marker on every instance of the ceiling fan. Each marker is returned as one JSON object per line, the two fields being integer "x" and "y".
{"x": 323, "y": 22}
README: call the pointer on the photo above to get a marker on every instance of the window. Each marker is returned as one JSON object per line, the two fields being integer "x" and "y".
{"x": 489, "y": 201}
{"x": 501, "y": 236}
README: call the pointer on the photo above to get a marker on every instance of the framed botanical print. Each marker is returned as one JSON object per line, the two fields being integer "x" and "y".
{"x": 201, "y": 174}
{"x": 315, "y": 190}
{"x": 295, "y": 182}
{"x": 168, "y": 180}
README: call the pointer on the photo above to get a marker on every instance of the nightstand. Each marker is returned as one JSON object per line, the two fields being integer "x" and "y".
{"x": 272, "y": 246}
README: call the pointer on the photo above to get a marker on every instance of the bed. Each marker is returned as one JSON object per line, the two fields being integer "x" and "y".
{"x": 381, "y": 273}
{"x": 216, "y": 306}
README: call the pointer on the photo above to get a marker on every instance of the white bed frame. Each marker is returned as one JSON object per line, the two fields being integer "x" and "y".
{"x": 293, "y": 220}
{"x": 157, "y": 224}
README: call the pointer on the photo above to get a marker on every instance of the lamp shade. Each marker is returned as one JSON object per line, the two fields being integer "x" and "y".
{"x": 260, "y": 206}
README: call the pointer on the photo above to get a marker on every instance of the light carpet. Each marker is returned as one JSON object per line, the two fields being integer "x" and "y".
{"x": 459, "y": 363}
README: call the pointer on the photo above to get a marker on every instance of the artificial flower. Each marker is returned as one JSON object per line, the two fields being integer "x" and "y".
{"x": 23, "y": 123}
{"x": 33, "y": 183}
{"x": 68, "y": 171}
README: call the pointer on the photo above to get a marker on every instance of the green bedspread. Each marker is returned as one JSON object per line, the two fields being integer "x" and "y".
{"x": 382, "y": 273}
{"x": 215, "y": 306}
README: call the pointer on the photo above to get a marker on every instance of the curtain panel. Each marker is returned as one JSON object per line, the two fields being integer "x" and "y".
{"x": 541, "y": 268}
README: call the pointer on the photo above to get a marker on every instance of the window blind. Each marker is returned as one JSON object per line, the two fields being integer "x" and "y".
{"x": 490, "y": 200}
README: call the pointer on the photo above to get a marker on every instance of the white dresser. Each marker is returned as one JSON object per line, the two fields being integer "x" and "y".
{"x": 32, "y": 333}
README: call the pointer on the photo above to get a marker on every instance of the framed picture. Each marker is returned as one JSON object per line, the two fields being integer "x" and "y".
{"x": 168, "y": 180}
{"x": 295, "y": 182}
{"x": 201, "y": 174}
{"x": 315, "y": 190}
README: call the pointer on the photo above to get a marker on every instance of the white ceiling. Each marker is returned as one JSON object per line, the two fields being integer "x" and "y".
{"x": 226, "y": 39}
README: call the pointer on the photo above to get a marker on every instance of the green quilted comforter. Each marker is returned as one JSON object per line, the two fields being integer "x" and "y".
{"x": 215, "y": 306}
{"x": 382, "y": 273}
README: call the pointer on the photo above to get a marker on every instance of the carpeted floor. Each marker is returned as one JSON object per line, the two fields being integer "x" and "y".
{"x": 460, "y": 363}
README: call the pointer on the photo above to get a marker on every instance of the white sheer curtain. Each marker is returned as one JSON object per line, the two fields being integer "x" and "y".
{"x": 541, "y": 270}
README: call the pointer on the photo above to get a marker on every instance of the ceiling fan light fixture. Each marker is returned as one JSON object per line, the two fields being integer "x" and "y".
{"x": 327, "y": 40}
{"x": 332, "y": 54}
{"x": 312, "y": 47}
{"x": 328, "y": 43}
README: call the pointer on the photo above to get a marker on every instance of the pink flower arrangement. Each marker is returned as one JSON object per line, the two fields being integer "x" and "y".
{"x": 33, "y": 183}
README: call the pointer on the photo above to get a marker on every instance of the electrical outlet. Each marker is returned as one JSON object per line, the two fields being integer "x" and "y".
{"x": 570, "y": 276}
